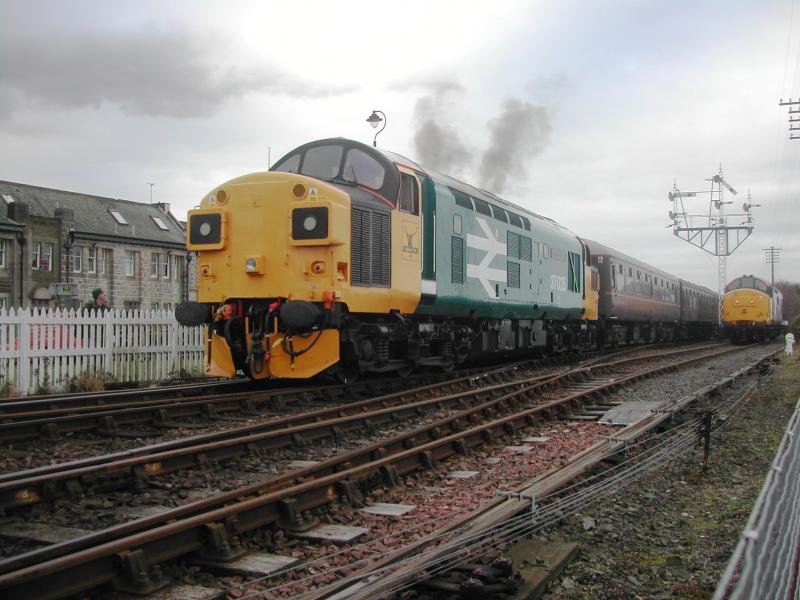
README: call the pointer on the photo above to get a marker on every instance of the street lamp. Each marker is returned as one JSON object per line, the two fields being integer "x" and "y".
{"x": 373, "y": 120}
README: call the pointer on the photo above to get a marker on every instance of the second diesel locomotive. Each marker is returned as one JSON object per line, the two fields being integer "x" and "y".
{"x": 751, "y": 310}
{"x": 345, "y": 258}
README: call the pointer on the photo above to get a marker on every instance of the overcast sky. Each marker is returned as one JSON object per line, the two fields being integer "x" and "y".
{"x": 585, "y": 112}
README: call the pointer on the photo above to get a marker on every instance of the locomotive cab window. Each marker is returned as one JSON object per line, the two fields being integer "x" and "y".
{"x": 360, "y": 168}
{"x": 409, "y": 194}
{"x": 322, "y": 162}
{"x": 290, "y": 165}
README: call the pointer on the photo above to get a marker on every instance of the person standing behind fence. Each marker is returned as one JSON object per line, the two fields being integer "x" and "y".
{"x": 98, "y": 304}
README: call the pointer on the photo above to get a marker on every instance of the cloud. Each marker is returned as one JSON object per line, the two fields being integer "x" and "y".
{"x": 437, "y": 143}
{"x": 520, "y": 133}
{"x": 155, "y": 73}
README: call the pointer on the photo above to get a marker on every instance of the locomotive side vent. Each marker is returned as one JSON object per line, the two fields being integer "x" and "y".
{"x": 457, "y": 263}
{"x": 371, "y": 248}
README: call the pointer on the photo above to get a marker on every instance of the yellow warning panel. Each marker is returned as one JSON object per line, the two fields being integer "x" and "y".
{"x": 219, "y": 360}
{"x": 313, "y": 354}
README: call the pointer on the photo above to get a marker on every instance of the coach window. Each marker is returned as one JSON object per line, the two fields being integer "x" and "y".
{"x": 761, "y": 286}
{"x": 409, "y": 194}
{"x": 360, "y": 168}
{"x": 457, "y": 224}
{"x": 515, "y": 220}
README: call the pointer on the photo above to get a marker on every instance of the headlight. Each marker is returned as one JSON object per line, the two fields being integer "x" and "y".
{"x": 205, "y": 228}
{"x": 310, "y": 223}
{"x": 250, "y": 264}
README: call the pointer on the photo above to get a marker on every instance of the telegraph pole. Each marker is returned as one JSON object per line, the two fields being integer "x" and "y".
{"x": 792, "y": 119}
{"x": 773, "y": 255}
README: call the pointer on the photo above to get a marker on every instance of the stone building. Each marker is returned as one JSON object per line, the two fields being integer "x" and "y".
{"x": 134, "y": 251}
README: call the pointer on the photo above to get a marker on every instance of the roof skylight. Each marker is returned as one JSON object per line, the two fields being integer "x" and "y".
{"x": 118, "y": 216}
{"x": 161, "y": 225}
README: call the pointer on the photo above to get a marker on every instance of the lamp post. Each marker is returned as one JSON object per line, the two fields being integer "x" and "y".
{"x": 374, "y": 120}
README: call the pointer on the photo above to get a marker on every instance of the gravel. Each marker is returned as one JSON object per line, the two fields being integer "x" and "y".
{"x": 671, "y": 534}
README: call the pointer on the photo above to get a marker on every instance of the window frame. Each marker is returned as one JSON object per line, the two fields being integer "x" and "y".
{"x": 36, "y": 255}
{"x": 165, "y": 266}
{"x": 91, "y": 259}
{"x": 154, "y": 265}
{"x": 76, "y": 252}
{"x": 3, "y": 252}
{"x": 130, "y": 263}
{"x": 407, "y": 178}
{"x": 47, "y": 251}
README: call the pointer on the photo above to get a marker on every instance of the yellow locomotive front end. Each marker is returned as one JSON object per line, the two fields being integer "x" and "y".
{"x": 750, "y": 310}
{"x": 290, "y": 264}
{"x": 290, "y": 253}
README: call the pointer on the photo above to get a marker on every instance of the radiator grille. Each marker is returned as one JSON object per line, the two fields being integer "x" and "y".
{"x": 370, "y": 248}
{"x": 512, "y": 274}
{"x": 457, "y": 263}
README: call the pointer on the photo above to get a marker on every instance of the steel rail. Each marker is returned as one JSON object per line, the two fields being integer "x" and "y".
{"x": 133, "y": 468}
{"x": 112, "y": 419}
{"x": 499, "y": 511}
{"x": 180, "y": 531}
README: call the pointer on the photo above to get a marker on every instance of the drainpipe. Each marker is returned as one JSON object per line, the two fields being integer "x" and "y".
{"x": 20, "y": 259}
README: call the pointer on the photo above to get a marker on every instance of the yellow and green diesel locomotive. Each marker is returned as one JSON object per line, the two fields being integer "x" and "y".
{"x": 345, "y": 259}
{"x": 751, "y": 310}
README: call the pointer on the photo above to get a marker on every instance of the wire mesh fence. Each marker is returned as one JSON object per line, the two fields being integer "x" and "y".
{"x": 766, "y": 561}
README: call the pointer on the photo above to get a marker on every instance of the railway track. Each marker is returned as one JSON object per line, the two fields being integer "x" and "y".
{"x": 52, "y": 419}
{"x": 135, "y": 468}
{"x": 95, "y": 559}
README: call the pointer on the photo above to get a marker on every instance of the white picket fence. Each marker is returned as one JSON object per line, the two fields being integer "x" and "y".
{"x": 45, "y": 349}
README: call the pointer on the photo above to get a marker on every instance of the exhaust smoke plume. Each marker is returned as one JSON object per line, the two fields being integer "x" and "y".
{"x": 519, "y": 134}
{"x": 436, "y": 143}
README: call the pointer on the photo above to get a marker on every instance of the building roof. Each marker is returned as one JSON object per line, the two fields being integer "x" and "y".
{"x": 92, "y": 216}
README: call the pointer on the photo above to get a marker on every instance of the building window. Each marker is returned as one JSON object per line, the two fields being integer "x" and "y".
{"x": 131, "y": 304}
{"x": 2, "y": 254}
{"x": 3, "y": 300}
{"x": 154, "y": 306}
{"x": 165, "y": 266}
{"x": 102, "y": 260}
{"x": 130, "y": 264}
{"x": 36, "y": 253}
{"x": 118, "y": 216}
{"x": 46, "y": 260}
{"x": 176, "y": 261}
{"x": 91, "y": 260}
{"x": 153, "y": 264}
{"x": 76, "y": 254}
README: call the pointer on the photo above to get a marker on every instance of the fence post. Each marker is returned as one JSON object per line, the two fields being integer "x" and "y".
{"x": 24, "y": 343}
{"x": 108, "y": 341}
{"x": 174, "y": 331}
